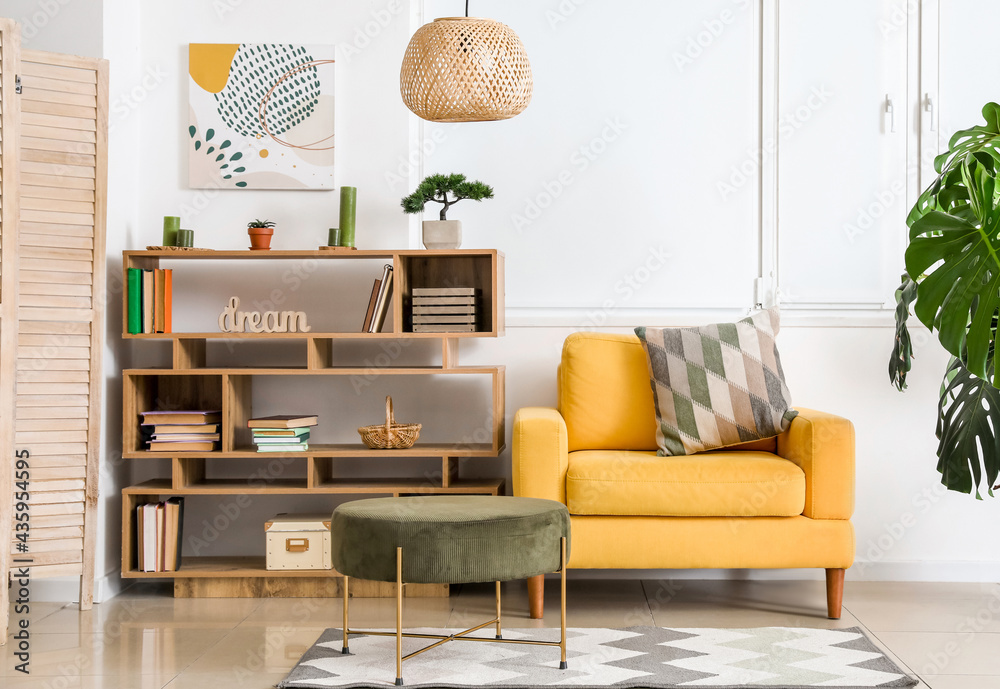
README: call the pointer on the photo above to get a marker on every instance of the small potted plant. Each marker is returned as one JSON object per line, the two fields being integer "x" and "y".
{"x": 446, "y": 190}
{"x": 260, "y": 232}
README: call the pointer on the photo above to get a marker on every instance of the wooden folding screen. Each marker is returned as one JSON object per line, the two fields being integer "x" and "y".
{"x": 59, "y": 277}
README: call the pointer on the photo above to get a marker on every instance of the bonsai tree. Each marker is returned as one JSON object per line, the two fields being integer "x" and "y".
{"x": 952, "y": 280}
{"x": 260, "y": 223}
{"x": 446, "y": 190}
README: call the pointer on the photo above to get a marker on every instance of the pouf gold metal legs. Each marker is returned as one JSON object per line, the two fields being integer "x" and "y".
{"x": 459, "y": 636}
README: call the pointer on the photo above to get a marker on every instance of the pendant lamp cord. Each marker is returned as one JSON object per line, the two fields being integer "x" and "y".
{"x": 466, "y": 8}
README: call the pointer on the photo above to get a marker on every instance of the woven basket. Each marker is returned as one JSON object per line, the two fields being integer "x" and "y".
{"x": 390, "y": 435}
{"x": 465, "y": 69}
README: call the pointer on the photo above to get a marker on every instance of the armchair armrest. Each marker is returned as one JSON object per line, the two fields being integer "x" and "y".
{"x": 540, "y": 454}
{"x": 822, "y": 445}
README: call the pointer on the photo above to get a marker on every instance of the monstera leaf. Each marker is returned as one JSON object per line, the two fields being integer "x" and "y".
{"x": 960, "y": 295}
{"x": 968, "y": 419}
{"x": 902, "y": 348}
{"x": 946, "y": 193}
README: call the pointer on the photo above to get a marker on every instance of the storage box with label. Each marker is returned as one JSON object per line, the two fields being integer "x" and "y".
{"x": 298, "y": 541}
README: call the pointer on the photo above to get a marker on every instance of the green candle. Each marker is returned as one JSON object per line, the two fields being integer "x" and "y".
{"x": 185, "y": 238}
{"x": 334, "y": 237}
{"x": 348, "y": 211}
{"x": 170, "y": 226}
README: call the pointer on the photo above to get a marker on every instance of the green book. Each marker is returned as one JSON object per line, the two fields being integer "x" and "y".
{"x": 134, "y": 300}
{"x": 283, "y": 448}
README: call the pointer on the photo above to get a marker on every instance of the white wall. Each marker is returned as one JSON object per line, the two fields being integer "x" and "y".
{"x": 907, "y": 526}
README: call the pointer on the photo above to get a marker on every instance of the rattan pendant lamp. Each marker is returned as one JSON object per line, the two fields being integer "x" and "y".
{"x": 465, "y": 69}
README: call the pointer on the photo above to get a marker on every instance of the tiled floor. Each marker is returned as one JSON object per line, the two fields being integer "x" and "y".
{"x": 947, "y": 634}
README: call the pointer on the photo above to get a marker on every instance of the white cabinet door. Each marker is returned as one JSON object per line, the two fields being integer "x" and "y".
{"x": 967, "y": 68}
{"x": 841, "y": 163}
{"x": 630, "y": 182}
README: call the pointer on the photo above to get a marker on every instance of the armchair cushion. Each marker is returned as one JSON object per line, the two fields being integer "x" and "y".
{"x": 719, "y": 484}
{"x": 717, "y": 385}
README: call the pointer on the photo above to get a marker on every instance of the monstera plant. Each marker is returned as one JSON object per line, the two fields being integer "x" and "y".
{"x": 952, "y": 280}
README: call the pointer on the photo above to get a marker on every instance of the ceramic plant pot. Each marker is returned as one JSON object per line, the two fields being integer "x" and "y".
{"x": 260, "y": 238}
{"x": 442, "y": 234}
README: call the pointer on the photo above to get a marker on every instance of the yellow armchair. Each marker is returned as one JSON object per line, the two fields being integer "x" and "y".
{"x": 778, "y": 503}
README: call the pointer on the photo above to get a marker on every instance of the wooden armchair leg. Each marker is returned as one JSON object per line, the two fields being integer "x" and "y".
{"x": 834, "y": 592}
{"x": 536, "y": 596}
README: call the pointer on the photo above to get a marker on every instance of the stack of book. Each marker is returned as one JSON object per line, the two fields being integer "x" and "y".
{"x": 444, "y": 309}
{"x": 378, "y": 303}
{"x": 181, "y": 431}
{"x": 159, "y": 527}
{"x": 282, "y": 433}
{"x": 150, "y": 300}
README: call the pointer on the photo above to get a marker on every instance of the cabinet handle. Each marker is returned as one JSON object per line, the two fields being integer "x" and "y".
{"x": 929, "y": 108}
{"x": 890, "y": 112}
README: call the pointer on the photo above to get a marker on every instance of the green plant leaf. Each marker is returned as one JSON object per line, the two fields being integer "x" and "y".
{"x": 902, "y": 348}
{"x": 980, "y": 141}
{"x": 968, "y": 421}
{"x": 960, "y": 295}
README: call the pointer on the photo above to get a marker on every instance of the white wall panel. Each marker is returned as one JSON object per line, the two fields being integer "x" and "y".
{"x": 841, "y": 175}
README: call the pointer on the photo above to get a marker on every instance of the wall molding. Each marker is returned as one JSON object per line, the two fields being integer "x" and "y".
{"x": 597, "y": 317}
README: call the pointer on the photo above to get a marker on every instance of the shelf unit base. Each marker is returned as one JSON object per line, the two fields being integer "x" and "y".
{"x": 299, "y": 587}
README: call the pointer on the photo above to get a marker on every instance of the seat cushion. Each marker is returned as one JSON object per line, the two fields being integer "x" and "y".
{"x": 449, "y": 539}
{"x": 715, "y": 484}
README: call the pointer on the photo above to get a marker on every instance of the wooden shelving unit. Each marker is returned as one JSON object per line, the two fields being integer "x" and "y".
{"x": 190, "y": 383}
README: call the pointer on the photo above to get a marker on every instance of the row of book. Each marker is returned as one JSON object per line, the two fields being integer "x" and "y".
{"x": 159, "y": 527}
{"x": 378, "y": 303}
{"x": 150, "y": 300}
{"x": 444, "y": 309}
{"x": 180, "y": 431}
{"x": 282, "y": 433}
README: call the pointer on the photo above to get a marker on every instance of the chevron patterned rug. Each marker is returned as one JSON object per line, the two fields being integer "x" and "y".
{"x": 647, "y": 657}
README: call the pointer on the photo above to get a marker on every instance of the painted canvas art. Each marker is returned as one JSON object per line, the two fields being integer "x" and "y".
{"x": 262, "y": 116}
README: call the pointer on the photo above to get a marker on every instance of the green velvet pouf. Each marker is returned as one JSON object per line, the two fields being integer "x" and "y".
{"x": 449, "y": 539}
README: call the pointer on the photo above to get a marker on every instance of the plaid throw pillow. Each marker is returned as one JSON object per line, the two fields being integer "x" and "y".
{"x": 717, "y": 385}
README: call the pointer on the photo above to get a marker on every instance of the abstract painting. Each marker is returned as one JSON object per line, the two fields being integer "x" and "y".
{"x": 261, "y": 116}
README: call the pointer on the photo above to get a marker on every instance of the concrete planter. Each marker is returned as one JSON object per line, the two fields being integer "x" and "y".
{"x": 442, "y": 234}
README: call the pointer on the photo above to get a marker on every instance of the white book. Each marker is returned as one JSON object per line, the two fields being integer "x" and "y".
{"x": 149, "y": 544}
{"x": 443, "y": 301}
{"x": 443, "y": 291}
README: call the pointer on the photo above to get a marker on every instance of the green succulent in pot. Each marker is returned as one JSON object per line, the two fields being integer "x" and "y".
{"x": 952, "y": 281}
